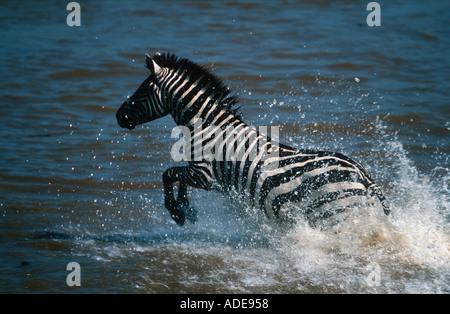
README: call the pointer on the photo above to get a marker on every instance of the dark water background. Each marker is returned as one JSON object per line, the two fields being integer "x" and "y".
{"x": 74, "y": 187}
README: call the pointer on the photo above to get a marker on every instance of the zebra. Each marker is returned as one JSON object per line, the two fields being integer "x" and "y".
{"x": 318, "y": 183}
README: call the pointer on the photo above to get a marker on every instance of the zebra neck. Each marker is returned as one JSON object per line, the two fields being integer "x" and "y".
{"x": 208, "y": 111}
{"x": 200, "y": 102}
{"x": 211, "y": 126}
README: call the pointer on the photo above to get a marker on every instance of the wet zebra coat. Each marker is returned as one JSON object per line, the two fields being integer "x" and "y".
{"x": 225, "y": 152}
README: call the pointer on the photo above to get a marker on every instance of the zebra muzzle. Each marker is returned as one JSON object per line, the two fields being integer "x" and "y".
{"x": 125, "y": 121}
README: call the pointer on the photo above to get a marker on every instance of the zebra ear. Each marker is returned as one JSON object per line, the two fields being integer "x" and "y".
{"x": 152, "y": 65}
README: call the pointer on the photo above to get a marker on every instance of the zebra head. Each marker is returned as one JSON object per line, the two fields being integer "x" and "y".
{"x": 146, "y": 103}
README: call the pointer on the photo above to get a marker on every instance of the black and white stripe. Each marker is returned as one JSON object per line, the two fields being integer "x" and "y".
{"x": 320, "y": 183}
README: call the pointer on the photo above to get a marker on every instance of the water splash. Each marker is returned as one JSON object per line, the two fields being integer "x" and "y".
{"x": 411, "y": 247}
{"x": 232, "y": 248}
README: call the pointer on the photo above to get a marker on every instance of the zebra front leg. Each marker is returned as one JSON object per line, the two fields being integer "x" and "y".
{"x": 179, "y": 209}
{"x": 183, "y": 203}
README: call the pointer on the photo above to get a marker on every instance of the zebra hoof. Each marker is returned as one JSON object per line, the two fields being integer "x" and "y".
{"x": 178, "y": 216}
{"x": 191, "y": 215}
{"x": 188, "y": 212}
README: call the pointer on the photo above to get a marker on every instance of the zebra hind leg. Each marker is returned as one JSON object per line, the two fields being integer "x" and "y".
{"x": 375, "y": 190}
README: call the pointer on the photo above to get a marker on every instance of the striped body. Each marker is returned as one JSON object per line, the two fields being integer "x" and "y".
{"x": 238, "y": 157}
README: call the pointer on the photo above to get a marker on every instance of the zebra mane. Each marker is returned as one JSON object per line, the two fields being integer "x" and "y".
{"x": 226, "y": 102}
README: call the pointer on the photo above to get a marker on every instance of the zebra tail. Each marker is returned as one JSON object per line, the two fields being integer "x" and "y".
{"x": 375, "y": 190}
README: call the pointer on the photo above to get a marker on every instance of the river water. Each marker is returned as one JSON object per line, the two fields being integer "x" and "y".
{"x": 74, "y": 187}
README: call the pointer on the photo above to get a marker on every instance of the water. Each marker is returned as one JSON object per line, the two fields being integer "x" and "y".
{"x": 74, "y": 187}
